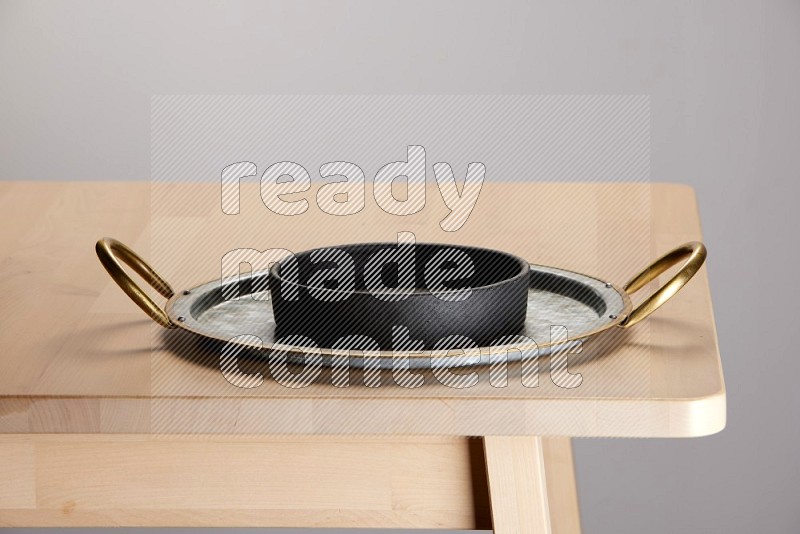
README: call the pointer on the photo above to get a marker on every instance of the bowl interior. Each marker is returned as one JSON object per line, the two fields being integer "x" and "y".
{"x": 488, "y": 266}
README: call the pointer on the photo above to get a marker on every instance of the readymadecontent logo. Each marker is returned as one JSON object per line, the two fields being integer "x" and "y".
{"x": 391, "y": 274}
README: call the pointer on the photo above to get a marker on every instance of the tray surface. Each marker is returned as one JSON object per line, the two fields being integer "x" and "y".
{"x": 556, "y": 297}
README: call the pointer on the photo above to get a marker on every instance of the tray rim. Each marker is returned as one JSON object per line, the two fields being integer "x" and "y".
{"x": 178, "y": 310}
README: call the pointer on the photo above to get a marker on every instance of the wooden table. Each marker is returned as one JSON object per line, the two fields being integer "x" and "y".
{"x": 108, "y": 420}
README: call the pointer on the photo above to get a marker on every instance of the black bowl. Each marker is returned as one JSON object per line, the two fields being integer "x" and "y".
{"x": 400, "y": 296}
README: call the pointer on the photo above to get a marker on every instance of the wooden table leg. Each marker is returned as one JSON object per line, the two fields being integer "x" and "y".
{"x": 531, "y": 485}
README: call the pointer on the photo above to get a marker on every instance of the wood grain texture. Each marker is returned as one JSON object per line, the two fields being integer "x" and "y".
{"x": 129, "y": 480}
{"x": 562, "y": 491}
{"x": 532, "y": 485}
{"x": 80, "y": 357}
{"x": 517, "y": 485}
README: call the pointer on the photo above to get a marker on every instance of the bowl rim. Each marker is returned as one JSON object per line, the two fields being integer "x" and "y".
{"x": 523, "y": 271}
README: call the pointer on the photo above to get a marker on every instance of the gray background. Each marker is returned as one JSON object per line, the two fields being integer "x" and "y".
{"x": 75, "y": 86}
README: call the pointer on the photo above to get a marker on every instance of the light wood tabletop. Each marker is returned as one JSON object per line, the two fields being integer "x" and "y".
{"x": 86, "y": 377}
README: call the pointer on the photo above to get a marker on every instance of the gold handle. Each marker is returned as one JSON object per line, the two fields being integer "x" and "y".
{"x": 695, "y": 254}
{"x": 109, "y": 251}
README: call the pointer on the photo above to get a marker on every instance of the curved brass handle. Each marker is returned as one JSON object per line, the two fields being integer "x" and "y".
{"x": 109, "y": 250}
{"x": 695, "y": 254}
